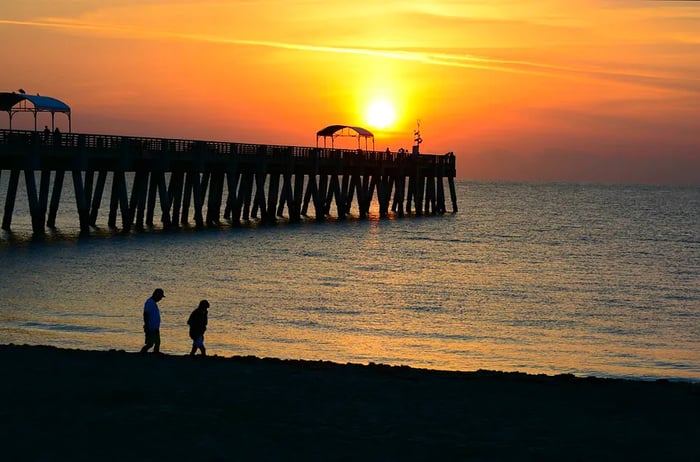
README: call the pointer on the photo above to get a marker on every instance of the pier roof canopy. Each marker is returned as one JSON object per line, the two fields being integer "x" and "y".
{"x": 41, "y": 103}
{"x": 332, "y": 129}
{"x": 338, "y": 130}
{"x": 13, "y": 103}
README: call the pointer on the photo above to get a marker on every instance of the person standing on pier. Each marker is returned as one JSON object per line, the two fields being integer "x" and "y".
{"x": 151, "y": 321}
{"x": 198, "y": 325}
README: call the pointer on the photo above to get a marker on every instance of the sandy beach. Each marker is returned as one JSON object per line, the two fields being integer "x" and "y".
{"x": 114, "y": 405}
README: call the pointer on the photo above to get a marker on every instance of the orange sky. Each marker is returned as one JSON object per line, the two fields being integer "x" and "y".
{"x": 576, "y": 90}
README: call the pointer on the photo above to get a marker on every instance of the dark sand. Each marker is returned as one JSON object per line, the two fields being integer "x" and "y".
{"x": 90, "y": 405}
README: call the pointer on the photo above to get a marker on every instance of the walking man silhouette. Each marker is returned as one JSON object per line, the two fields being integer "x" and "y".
{"x": 151, "y": 321}
{"x": 198, "y": 324}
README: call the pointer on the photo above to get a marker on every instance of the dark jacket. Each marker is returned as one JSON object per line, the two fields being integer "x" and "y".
{"x": 197, "y": 323}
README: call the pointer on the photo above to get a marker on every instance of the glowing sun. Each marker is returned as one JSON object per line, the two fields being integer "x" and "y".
{"x": 380, "y": 114}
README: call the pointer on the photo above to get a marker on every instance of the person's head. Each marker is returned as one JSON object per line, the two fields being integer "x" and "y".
{"x": 203, "y": 305}
{"x": 158, "y": 295}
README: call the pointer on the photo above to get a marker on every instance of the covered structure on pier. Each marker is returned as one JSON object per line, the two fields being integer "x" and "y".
{"x": 334, "y": 131}
{"x": 12, "y": 103}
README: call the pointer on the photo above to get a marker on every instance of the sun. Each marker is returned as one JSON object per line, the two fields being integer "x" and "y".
{"x": 380, "y": 114}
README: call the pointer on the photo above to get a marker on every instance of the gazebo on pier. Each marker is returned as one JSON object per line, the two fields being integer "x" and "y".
{"x": 334, "y": 131}
{"x": 14, "y": 102}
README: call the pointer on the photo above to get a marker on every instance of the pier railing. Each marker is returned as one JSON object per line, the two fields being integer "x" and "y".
{"x": 199, "y": 173}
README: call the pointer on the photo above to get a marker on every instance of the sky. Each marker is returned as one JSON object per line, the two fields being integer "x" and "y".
{"x": 584, "y": 91}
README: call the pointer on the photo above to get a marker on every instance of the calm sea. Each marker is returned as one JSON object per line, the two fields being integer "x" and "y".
{"x": 541, "y": 278}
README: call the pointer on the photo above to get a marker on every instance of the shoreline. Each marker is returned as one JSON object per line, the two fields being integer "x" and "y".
{"x": 66, "y": 404}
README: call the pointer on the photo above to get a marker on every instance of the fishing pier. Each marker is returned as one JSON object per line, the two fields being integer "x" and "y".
{"x": 212, "y": 182}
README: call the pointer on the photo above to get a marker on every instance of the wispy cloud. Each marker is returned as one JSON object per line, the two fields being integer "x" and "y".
{"x": 425, "y": 56}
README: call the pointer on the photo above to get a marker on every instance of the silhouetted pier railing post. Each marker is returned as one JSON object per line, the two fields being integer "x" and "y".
{"x": 202, "y": 178}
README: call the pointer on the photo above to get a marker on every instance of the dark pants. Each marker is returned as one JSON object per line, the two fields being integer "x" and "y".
{"x": 152, "y": 340}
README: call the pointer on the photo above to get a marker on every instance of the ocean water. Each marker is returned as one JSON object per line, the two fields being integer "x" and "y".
{"x": 599, "y": 280}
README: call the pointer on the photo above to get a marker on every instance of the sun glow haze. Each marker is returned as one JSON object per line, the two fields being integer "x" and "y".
{"x": 537, "y": 91}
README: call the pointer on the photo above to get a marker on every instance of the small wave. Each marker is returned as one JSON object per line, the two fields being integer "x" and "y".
{"x": 684, "y": 272}
{"x": 331, "y": 281}
{"x": 464, "y": 261}
{"x": 311, "y": 253}
{"x": 507, "y": 236}
{"x": 286, "y": 340}
{"x": 681, "y": 298}
{"x": 372, "y": 268}
{"x": 91, "y": 315}
{"x": 668, "y": 239}
{"x": 64, "y": 327}
{"x": 673, "y": 365}
{"x": 331, "y": 311}
{"x": 438, "y": 239}
{"x": 307, "y": 324}
{"x": 425, "y": 309}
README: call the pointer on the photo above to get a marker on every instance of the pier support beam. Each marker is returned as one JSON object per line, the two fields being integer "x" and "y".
{"x": 199, "y": 188}
{"x": 10, "y": 199}
{"x": 81, "y": 202}
{"x": 272, "y": 194}
{"x": 187, "y": 198}
{"x": 35, "y": 211}
{"x": 55, "y": 198}
{"x": 440, "y": 195}
{"x": 295, "y": 210}
{"x": 97, "y": 197}
{"x": 453, "y": 193}
{"x": 175, "y": 190}
{"x": 137, "y": 203}
{"x": 118, "y": 197}
{"x": 233, "y": 205}
{"x": 216, "y": 192}
{"x": 247, "y": 194}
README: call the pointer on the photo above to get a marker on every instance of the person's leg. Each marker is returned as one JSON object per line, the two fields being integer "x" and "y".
{"x": 156, "y": 338}
{"x": 198, "y": 344}
{"x": 148, "y": 343}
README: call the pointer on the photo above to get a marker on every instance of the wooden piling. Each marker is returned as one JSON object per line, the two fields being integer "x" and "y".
{"x": 97, "y": 196}
{"x": 177, "y": 183}
{"x": 10, "y": 199}
{"x": 55, "y": 198}
{"x": 81, "y": 202}
{"x": 34, "y": 210}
